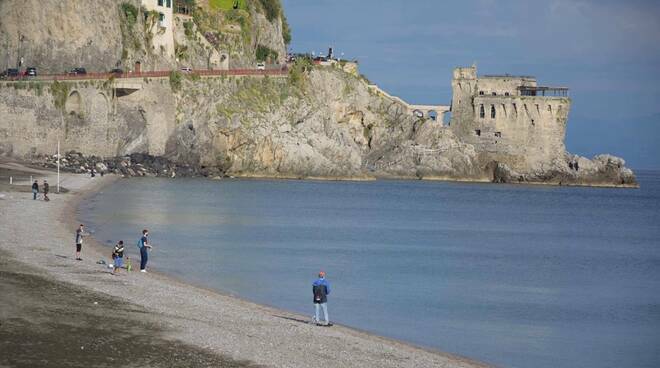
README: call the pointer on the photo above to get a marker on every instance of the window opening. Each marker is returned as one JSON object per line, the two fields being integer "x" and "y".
{"x": 492, "y": 111}
{"x": 482, "y": 112}
{"x": 477, "y": 132}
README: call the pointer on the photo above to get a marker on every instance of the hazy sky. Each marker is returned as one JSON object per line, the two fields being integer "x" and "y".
{"x": 607, "y": 52}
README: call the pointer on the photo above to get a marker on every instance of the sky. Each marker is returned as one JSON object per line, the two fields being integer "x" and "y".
{"x": 607, "y": 52}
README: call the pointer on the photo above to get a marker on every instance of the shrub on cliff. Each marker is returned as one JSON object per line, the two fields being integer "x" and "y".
{"x": 265, "y": 53}
{"x": 130, "y": 13}
{"x": 272, "y": 8}
{"x": 175, "y": 80}
{"x": 60, "y": 92}
{"x": 297, "y": 72}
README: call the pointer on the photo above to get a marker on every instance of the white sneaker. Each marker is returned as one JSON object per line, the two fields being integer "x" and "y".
{"x": 145, "y": 271}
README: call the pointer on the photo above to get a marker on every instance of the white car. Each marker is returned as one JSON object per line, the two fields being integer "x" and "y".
{"x": 261, "y": 66}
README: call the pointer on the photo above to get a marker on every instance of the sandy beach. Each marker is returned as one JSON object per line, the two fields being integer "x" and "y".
{"x": 75, "y": 313}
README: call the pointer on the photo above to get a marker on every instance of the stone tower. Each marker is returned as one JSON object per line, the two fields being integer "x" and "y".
{"x": 509, "y": 118}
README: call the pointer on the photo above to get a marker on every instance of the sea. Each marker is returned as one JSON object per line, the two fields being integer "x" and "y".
{"x": 511, "y": 275}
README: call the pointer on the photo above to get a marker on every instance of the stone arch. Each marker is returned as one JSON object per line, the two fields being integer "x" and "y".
{"x": 418, "y": 113}
{"x": 433, "y": 115}
{"x": 99, "y": 107}
{"x": 73, "y": 103}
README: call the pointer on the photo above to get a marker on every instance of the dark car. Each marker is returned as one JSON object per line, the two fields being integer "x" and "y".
{"x": 78, "y": 71}
{"x": 9, "y": 73}
{"x": 31, "y": 72}
{"x": 116, "y": 71}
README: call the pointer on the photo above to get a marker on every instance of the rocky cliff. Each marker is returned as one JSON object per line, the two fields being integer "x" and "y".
{"x": 314, "y": 122}
{"x": 56, "y": 36}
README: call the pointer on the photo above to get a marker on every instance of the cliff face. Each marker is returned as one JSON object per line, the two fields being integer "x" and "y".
{"x": 59, "y": 35}
{"x": 56, "y": 36}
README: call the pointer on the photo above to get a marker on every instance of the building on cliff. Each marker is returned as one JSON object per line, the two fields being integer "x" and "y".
{"x": 162, "y": 29}
{"x": 509, "y": 118}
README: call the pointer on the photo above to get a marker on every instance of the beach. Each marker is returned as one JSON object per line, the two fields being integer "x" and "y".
{"x": 99, "y": 316}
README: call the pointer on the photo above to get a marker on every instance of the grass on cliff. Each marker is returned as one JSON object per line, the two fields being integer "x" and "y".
{"x": 60, "y": 92}
{"x": 228, "y": 4}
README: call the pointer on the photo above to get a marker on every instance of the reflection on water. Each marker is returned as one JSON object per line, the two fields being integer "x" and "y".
{"x": 512, "y": 275}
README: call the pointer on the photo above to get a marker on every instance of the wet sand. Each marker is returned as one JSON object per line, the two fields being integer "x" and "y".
{"x": 149, "y": 319}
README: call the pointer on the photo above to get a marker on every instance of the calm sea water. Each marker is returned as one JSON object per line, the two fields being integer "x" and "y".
{"x": 511, "y": 275}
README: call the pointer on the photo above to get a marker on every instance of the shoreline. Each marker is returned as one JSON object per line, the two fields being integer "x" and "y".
{"x": 246, "y": 331}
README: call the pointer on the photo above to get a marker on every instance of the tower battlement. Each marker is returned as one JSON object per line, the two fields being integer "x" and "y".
{"x": 507, "y": 115}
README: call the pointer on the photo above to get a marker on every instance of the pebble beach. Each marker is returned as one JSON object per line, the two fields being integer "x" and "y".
{"x": 179, "y": 324}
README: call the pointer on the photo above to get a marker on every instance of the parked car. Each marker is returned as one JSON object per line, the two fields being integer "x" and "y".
{"x": 31, "y": 72}
{"x": 117, "y": 71}
{"x": 9, "y": 73}
{"x": 77, "y": 71}
{"x": 186, "y": 69}
{"x": 261, "y": 66}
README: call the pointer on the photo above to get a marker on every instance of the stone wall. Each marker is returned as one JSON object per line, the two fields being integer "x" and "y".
{"x": 85, "y": 117}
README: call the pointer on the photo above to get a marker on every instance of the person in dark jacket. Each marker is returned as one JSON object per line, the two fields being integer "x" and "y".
{"x": 321, "y": 289}
{"x": 35, "y": 190}
{"x": 143, "y": 245}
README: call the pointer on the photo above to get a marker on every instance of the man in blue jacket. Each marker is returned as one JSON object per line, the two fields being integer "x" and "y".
{"x": 321, "y": 289}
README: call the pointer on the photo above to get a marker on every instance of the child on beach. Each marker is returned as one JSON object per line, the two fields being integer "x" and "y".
{"x": 118, "y": 257}
{"x": 79, "y": 241}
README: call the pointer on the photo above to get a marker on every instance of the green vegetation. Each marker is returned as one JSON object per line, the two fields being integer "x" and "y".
{"x": 272, "y": 8}
{"x": 255, "y": 95}
{"x": 189, "y": 30}
{"x": 286, "y": 30}
{"x": 130, "y": 13}
{"x": 298, "y": 72}
{"x": 60, "y": 92}
{"x": 129, "y": 16}
{"x": 266, "y": 54}
{"x": 228, "y": 4}
{"x": 175, "y": 81}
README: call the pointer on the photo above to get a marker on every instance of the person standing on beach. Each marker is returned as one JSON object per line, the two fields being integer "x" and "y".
{"x": 143, "y": 245}
{"x": 46, "y": 189}
{"x": 35, "y": 190}
{"x": 321, "y": 289}
{"x": 79, "y": 241}
{"x": 118, "y": 257}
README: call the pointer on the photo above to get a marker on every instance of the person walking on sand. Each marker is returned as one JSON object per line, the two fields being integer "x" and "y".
{"x": 118, "y": 257}
{"x": 321, "y": 289}
{"x": 35, "y": 190}
{"x": 46, "y": 189}
{"x": 143, "y": 245}
{"x": 79, "y": 241}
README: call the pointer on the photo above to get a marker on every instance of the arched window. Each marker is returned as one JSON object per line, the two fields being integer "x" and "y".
{"x": 492, "y": 111}
{"x": 506, "y": 93}
{"x": 481, "y": 93}
{"x": 494, "y": 93}
{"x": 482, "y": 113}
